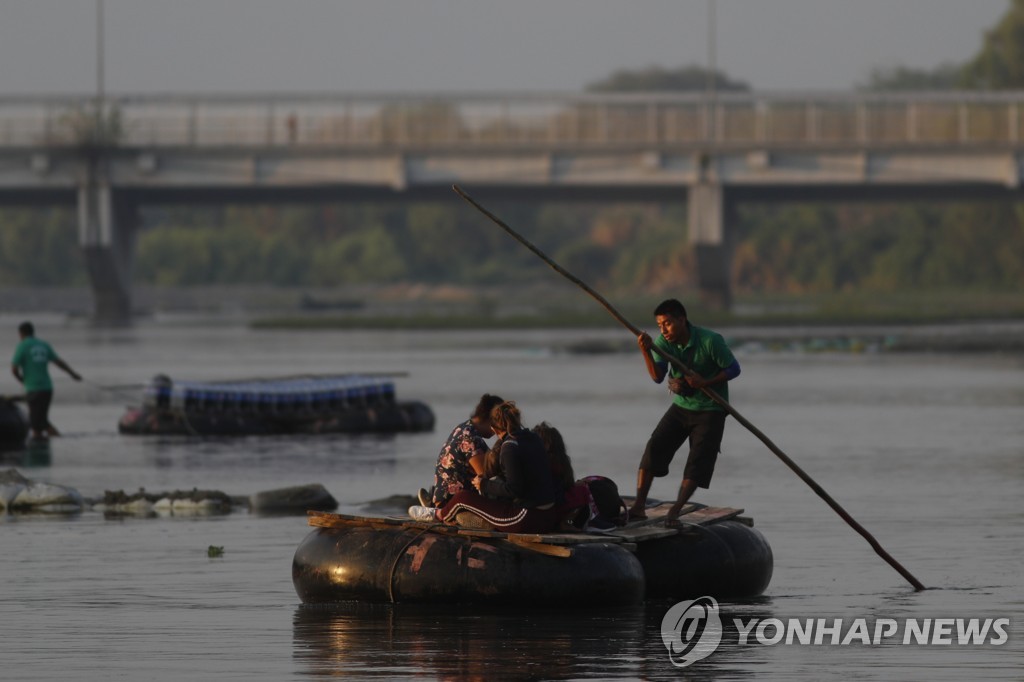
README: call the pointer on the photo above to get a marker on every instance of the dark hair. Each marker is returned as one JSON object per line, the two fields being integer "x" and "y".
{"x": 26, "y": 328}
{"x": 558, "y": 457}
{"x": 482, "y": 411}
{"x": 670, "y": 306}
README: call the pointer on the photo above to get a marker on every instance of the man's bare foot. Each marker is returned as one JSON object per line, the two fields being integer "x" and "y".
{"x": 636, "y": 514}
{"x": 672, "y": 517}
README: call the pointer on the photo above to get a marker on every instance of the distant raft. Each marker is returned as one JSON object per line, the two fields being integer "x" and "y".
{"x": 351, "y": 558}
{"x": 349, "y": 403}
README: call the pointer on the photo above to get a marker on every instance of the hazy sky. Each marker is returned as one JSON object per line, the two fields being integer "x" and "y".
{"x": 49, "y": 46}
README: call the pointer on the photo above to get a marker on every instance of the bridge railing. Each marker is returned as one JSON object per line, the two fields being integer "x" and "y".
{"x": 649, "y": 120}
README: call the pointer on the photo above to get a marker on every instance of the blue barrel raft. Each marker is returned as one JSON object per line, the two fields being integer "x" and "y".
{"x": 349, "y": 403}
{"x": 351, "y": 558}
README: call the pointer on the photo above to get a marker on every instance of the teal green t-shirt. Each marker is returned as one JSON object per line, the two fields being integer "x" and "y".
{"x": 707, "y": 355}
{"x": 34, "y": 356}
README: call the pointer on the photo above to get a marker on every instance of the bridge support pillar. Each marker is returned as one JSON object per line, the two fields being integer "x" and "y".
{"x": 710, "y": 216}
{"x": 106, "y": 234}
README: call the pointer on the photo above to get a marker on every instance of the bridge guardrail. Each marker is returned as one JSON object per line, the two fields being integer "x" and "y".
{"x": 522, "y": 120}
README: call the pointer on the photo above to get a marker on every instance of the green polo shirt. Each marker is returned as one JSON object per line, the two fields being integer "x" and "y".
{"x": 34, "y": 356}
{"x": 707, "y": 355}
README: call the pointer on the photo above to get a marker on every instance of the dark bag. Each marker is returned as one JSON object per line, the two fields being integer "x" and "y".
{"x": 607, "y": 509}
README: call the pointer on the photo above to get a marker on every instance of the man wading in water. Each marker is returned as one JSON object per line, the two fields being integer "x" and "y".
{"x": 30, "y": 367}
{"x": 692, "y": 415}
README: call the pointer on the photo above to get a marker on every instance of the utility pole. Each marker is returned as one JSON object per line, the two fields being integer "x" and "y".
{"x": 100, "y": 48}
{"x": 711, "y": 84}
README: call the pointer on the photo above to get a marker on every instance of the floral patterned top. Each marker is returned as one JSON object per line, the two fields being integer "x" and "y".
{"x": 453, "y": 473}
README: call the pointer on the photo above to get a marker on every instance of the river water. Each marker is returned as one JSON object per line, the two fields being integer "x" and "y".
{"x": 926, "y": 451}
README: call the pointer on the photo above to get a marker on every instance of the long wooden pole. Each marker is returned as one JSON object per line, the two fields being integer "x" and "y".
{"x": 879, "y": 550}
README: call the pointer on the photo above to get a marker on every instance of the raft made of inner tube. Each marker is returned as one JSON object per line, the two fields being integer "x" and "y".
{"x": 349, "y": 403}
{"x": 427, "y": 563}
{"x": 726, "y": 560}
{"x": 352, "y": 558}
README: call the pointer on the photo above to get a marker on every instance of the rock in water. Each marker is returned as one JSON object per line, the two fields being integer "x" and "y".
{"x": 295, "y": 500}
{"x": 48, "y": 497}
{"x": 18, "y": 493}
{"x": 11, "y": 484}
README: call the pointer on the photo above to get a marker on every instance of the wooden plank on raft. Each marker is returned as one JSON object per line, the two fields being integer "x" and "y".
{"x": 566, "y": 538}
{"x": 698, "y": 514}
{"x": 652, "y": 528}
{"x": 542, "y": 548}
{"x": 329, "y": 520}
{"x": 547, "y": 538}
{"x": 657, "y": 513}
{"x": 709, "y": 515}
{"x": 644, "y": 533}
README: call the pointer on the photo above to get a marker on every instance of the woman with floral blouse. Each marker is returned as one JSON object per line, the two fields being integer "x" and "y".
{"x": 465, "y": 447}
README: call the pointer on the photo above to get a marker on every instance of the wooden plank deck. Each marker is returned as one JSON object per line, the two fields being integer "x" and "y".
{"x": 651, "y": 528}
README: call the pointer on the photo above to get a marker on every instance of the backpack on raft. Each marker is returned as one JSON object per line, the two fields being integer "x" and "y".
{"x": 598, "y": 504}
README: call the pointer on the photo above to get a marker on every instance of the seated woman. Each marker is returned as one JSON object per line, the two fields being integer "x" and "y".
{"x": 462, "y": 457}
{"x": 558, "y": 456}
{"x": 573, "y": 498}
{"x": 520, "y": 498}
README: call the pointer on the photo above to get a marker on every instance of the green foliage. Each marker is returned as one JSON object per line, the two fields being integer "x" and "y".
{"x": 999, "y": 65}
{"x": 943, "y": 77}
{"x": 660, "y": 79}
{"x": 40, "y": 248}
{"x": 885, "y": 249}
{"x": 369, "y": 255}
{"x": 640, "y": 248}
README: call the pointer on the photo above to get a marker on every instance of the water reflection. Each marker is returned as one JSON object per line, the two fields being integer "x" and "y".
{"x": 35, "y": 453}
{"x": 348, "y": 453}
{"x": 463, "y": 643}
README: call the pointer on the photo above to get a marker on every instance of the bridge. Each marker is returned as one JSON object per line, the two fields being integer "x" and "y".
{"x": 110, "y": 157}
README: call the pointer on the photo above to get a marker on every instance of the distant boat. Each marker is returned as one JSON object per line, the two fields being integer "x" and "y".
{"x": 345, "y": 403}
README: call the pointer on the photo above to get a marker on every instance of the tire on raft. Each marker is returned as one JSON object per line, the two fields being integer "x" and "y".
{"x": 725, "y": 560}
{"x": 409, "y": 564}
{"x": 13, "y": 425}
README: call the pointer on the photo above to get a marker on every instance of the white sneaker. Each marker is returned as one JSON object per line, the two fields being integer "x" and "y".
{"x": 425, "y": 496}
{"x": 422, "y": 513}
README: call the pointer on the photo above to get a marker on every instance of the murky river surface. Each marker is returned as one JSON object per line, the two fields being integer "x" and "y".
{"x": 926, "y": 451}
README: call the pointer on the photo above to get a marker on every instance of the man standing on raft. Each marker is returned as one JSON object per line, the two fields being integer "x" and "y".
{"x": 692, "y": 415}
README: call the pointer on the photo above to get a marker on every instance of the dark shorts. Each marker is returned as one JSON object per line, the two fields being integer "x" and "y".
{"x": 703, "y": 429}
{"x": 39, "y": 409}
